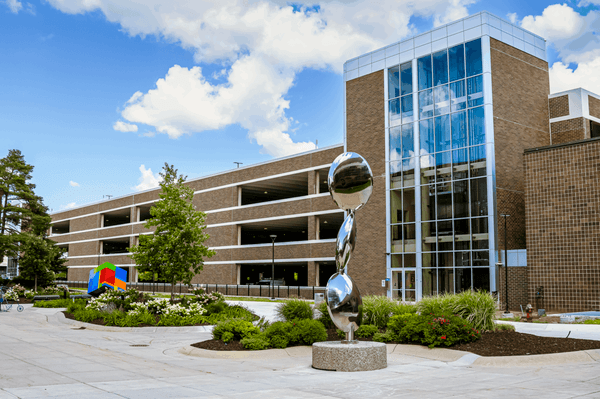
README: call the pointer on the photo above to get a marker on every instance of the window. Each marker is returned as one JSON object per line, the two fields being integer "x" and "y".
{"x": 426, "y": 104}
{"x": 425, "y": 72}
{"x": 393, "y": 82}
{"x": 406, "y": 78}
{"x": 440, "y": 68}
{"x": 594, "y": 129}
{"x": 456, "y": 56}
{"x": 473, "y": 56}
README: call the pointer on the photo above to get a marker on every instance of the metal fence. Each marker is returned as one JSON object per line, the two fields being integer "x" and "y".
{"x": 280, "y": 291}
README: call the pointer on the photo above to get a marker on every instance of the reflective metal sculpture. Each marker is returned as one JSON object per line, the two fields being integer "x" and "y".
{"x": 350, "y": 184}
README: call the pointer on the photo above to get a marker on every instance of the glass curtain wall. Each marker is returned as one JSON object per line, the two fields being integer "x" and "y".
{"x": 453, "y": 245}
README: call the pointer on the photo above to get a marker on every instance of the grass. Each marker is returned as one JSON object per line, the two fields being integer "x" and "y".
{"x": 253, "y": 299}
{"x": 56, "y": 303}
{"x": 478, "y": 307}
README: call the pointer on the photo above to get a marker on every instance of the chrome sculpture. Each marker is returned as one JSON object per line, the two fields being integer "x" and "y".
{"x": 350, "y": 183}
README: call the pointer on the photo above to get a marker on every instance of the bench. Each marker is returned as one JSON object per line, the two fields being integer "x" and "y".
{"x": 45, "y": 298}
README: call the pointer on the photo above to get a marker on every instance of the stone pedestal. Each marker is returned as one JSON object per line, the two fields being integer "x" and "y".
{"x": 336, "y": 356}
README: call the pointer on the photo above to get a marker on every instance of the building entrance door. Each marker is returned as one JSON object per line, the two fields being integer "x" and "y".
{"x": 404, "y": 286}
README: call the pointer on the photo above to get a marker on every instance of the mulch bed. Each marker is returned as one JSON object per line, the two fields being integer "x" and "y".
{"x": 499, "y": 343}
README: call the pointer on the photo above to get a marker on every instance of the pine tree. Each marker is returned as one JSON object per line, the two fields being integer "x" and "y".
{"x": 21, "y": 211}
{"x": 176, "y": 246}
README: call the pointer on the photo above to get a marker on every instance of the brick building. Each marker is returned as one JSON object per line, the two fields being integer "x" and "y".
{"x": 444, "y": 120}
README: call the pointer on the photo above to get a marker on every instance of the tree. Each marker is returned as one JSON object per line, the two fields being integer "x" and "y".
{"x": 21, "y": 211}
{"x": 40, "y": 260}
{"x": 176, "y": 246}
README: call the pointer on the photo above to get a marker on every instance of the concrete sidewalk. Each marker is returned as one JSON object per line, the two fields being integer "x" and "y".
{"x": 42, "y": 356}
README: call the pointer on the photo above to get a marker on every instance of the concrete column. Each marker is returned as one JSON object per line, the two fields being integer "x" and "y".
{"x": 317, "y": 183}
{"x": 133, "y": 214}
{"x": 312, "y": 229}
{"x": 238, "y": 274}
{"x": 100, "y": 247}
{"x": 101, "y": 220}
{"x": 317, "y": 272}
{"x": 239, "y": 196}
{"x": 311, "y": 182}
{"x": 239, "y": 234}
{"x": 317, "y": 228}
{"x": 138, "y": 214}
{"x": 311, "y": 273}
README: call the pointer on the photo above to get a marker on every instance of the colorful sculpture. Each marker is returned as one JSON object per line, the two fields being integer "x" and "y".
{"x": 107, "y": 276}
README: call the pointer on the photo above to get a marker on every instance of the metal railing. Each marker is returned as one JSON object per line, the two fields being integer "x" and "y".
{"x": 250, "y": 290}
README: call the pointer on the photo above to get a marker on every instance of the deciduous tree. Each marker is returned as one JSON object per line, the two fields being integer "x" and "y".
{"x": 176, "y": 246}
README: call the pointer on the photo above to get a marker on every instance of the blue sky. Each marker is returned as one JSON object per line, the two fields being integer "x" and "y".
{"x": 93, "y": 90}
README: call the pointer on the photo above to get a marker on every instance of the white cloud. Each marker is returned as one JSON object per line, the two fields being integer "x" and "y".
{"x": 147, "y": 179}
{"x": 70, "y": 205}
{"x": 576, "y": 38}
{"x": 125, "y": 127}
{"x": 585, "y": 75}
{"x": 74, "y": 184}
{"x": 512, "y": 17}
{"x": 14, "y": 5}
{"x": 262, "y": 45}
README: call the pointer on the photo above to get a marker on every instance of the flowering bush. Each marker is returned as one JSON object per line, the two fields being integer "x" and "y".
{"x": 11, "y": 295}
{"x": 157, "y": 305}
{"x": 432, "y": 330}
{"x": 206, "y": 299}
{"x": 53, "y": 290}
{"x": 19, "y": 289}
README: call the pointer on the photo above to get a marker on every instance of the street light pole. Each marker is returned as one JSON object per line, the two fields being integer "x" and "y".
{"x": 505, "y": 262}
{"x": 273, "y": 237}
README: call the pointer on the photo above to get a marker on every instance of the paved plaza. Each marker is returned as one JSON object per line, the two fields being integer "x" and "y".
{"x": 44, "y": 355}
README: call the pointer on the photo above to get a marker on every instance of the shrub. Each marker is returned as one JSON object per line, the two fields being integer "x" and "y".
{"x": 504, "y": 327}
{"x": 207, "y": 299}
{"x": 477, "y": 307}
{"x": 307, "y": 332}
{"x": 78, "y": 304}
{"x": 294, "y": 309}
{"x": 324, "y": 317}
{"x": 432, "y": 330}
{"x": 366, "y": 331}
{"x": 377, "y": 310}
{"x": 340, "y": 333}
{"x": 56, "y": 303}
{"x": 383, "y": 337}
{"x": 11, "y": 295}
{"x": 231, "y": 312}
{"x": 593, "y": 321}
{"x": 216, "y": 307}
{"x": 278, "y": 334}
{"x": 255, "y": 342}
{"x": 87, "y": 315}
{"x": 239, "y": 328}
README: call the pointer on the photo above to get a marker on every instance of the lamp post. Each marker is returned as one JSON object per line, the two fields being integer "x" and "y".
{"x": 504, "y": 215}
{"x": 273, "y": 237}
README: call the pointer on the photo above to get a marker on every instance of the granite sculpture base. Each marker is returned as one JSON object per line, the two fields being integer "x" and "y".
{"x": 361, "y": 356}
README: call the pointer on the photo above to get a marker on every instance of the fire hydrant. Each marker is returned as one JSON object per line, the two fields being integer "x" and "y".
{"x": 529, "y": 310}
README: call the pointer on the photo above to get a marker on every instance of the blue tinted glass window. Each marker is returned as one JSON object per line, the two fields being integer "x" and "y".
{"x": 395, "y": 143}
{"x": 458, "y": 97}
{"x": 440, "y": 68}
{"x": 393, "y": 82}
{"x": 443, "y": 159}
{"x": 406, "y": 78}
{"x": 456, "y": 57}
{"x": 427, "y": 136}
{"x": 477, "y": 154}
{"x": 425, "y": 73}
{"x": 442, "y": 133}
{"x": 407, "y": 109}
{"x": 442, "y": 100}
{"x": 476, "y": 126}
{"x": 473, "y": 55}
{"x": 459, "y": 130}
{"x": 395, "y": 112}
{"x": 460, "y": 165}
{"x": 426, "y": 104}
{"x": 408, "y": 141}
{"x": 475, "y": 91}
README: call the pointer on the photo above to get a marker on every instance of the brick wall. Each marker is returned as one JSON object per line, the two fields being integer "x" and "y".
{"x": 569, "y": 130}
{"x": 517, "y": 288}
{"x": 558, "y": 106}
{"x": 594, "y": 105}
{"x": 563, "y": 225}
{"x": 365, "y": 134}
{"x": 520, "y": 87}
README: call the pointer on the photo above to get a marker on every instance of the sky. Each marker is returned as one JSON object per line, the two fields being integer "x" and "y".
{"x": 99, "y": 94}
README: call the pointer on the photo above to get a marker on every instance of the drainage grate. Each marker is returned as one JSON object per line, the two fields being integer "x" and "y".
{"x": 139, "y": 345}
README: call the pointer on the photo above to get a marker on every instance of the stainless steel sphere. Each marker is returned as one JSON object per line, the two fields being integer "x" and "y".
{"x": 344, "y": 302}
{"x": 346, "y": 240}
{"x": 350, "y": 181}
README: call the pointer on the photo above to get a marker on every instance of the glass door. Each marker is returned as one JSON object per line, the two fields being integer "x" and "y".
{"x": 404, "y": 287}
